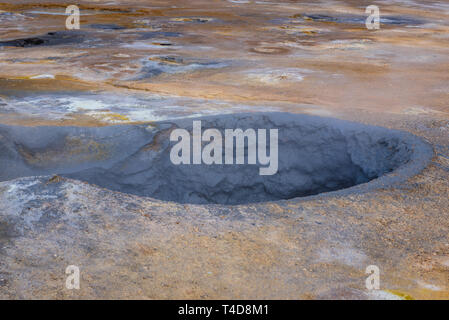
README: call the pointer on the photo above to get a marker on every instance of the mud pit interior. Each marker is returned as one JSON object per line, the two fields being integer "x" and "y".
{"x": 316, "y": 155}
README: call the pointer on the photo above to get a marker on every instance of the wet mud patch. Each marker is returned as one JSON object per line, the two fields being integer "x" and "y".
{"x": 50, "y": 39}
{"x": 109, "y": 26}
{"x": 158, "y": 65}
{"x": 316, "y": 155}
{"x": 360, "y": 19}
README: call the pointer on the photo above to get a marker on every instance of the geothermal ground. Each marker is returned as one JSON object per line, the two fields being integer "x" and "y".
{"x": 363, "y": 177}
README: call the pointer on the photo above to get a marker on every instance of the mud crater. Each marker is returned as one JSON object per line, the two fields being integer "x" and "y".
{"x": 316, "y": 155}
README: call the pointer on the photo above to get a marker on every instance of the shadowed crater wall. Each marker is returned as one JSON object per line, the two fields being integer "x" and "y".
{"x": 316, "y": 155}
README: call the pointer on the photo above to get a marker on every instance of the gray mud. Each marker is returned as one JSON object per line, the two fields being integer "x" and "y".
{"x": 316, "y": 155}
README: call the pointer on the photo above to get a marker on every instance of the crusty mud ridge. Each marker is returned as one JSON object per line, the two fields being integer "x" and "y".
{"x": 316, "y": 155}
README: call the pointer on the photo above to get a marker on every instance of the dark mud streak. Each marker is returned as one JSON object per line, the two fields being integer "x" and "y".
{"x": 106, "y": 26}
{"x": 49, "y": 39}
{"x": 355, "y": 19}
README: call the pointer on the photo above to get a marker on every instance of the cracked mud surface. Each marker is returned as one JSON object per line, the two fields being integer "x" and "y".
{"x": 135, "y": 64}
